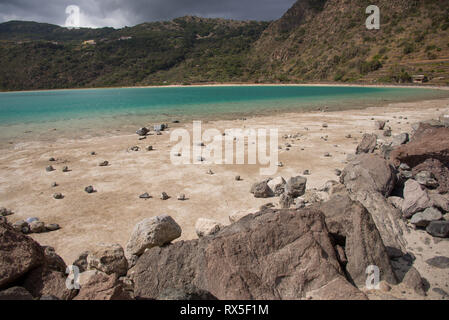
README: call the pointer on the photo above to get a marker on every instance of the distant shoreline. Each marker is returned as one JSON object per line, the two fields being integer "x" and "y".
{"x": 410, "y": 86}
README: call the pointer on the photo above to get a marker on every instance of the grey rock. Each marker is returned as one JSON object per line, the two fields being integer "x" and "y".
{"x": 152, "y": 232}
{"x": 145, "y": 196}
{"x": 414, "y": 281}
{"x": 400, "y": 139}
{"x": 439, "y": 262}
{"x": 58, "y": 196}
{"x": 423, "y": 219}
{"x": 89, "y": 189}
{"x": 262, "y": 190}
{"x": 368, "y": 144}
{"x": 438, "y": 229}
{"x": 296, "y": 186}
{"x": 369, "y": 179}
{"x": 104, "y": 164}
{"x": 427, "y": 179}
{"x": 416, "y": 199}
{"x": 164, "y": 196}
{"x": 142, "y": 131}
{"x": 52, "y": 227}
{"x": 37, "y": 227}
{"x": 277, "y": 185}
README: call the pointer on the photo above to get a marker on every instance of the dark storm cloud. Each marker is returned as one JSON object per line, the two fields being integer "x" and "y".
{"x": 118, "y": 13}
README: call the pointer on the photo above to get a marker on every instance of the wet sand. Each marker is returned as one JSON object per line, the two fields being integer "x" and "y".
{"x": 109, "y": 215}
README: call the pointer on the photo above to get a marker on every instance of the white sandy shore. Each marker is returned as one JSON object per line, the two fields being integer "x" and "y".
{"x": 417, "y": 86}
{"x": 109, "y": 215}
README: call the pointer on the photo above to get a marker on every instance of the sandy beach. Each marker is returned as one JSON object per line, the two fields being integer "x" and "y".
{"x": 109, "y": 215}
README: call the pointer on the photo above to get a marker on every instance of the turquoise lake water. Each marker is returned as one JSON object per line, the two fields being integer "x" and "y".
{"x": 92, "y": 109}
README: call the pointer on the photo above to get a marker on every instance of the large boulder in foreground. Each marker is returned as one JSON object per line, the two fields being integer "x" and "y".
{"x": 282, "y": 254}
{"x": 18, "y": 254}
{"x": 369, "y": 179}
{"x": 152, "y": 232}
{"x": 354, "y": 229}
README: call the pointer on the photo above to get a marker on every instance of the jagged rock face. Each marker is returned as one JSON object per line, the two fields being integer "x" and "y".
{"x": 369, "y": 179}
{"x": 353, "y": 227}
{"x": 280, "y": 254}
{"x": 18, "y": 254}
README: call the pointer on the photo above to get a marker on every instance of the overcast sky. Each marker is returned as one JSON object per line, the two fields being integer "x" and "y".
{"x": 119, "y": 13}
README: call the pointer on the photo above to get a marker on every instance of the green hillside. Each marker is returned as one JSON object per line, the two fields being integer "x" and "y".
{"x": 315, "y": 41}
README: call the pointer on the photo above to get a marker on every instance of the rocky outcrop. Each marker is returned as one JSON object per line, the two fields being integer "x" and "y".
{"x": 369, "y": 179}
{"x": 353, "y": 228}
{"x": 151, "y": 233}
{"x": 282, "y": 254}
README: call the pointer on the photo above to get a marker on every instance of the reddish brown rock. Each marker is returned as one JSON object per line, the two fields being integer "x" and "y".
{"x": 18, "y": 255}
{"x": 275, "y": 254}
{"x": 428, "y": 142}
{"x": 103, "y": 287}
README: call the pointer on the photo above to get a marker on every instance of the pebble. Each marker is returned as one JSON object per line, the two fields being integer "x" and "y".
{"x": 52, "y": 159}
{"x": 49, "y": 169}
{"x": 210, "y": 172}
{"x": 104, "y": 164}
{"x": 306, "y": 172}
{"x": 54, "y": 185}
{"x": 53, "y": 227}
{"x": 164, "y": 196}
{"x": 65, "y": 169}
{"x": 327, "y": 155}
{"x": 89, "y": 189}
{"x": 150, "y": 148}
{"x": 182, "y": 197}
{"x": 338, "y": 172}
{"x": 58, "y": 196}
{"x": 5, "y": 212}
{"x": 145, "y": 196}
{"x": 238, "y": 178}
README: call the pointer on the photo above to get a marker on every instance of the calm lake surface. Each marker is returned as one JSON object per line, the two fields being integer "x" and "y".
{"x": 95, "y": 110}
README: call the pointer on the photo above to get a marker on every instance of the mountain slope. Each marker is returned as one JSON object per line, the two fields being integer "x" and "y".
{"x": 315, "y": 41}
{"x": 189, "y": 49}
{"x": 328, "y": 40}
